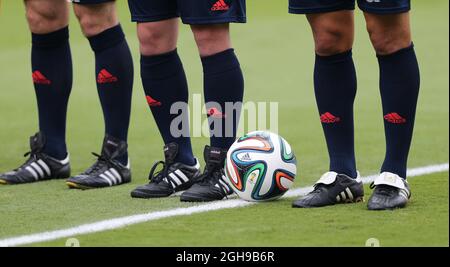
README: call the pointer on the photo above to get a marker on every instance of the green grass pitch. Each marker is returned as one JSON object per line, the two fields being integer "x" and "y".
{"x": 276, "y": 52}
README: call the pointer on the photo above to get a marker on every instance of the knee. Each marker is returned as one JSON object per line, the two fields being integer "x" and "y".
{"x": 95, "y": 19}
{"x": 382, "y": 44}
{"x": 331, "y": 41}
{"x": 387, "y": 41}
{"x": 155, "y": 39}
{"x": 44, "y": 20}
{"x": 212, "y": 39}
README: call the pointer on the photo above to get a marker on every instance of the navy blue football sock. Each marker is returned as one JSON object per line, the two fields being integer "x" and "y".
{"x": 114, "y": 74}
{"x": 52, "y": 76}
{"x": 223, "y": 86}
{"x": 399, "y": 87}
{"x": 164, "y": 84}
{"x": 335, "y": 89}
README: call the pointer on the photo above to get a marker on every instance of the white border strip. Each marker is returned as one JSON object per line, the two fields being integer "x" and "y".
{"x": 140, "y": 218}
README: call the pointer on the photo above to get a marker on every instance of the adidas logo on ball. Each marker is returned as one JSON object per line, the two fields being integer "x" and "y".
{"x": 260, "y": 166}
{"x": 245, "y": 157}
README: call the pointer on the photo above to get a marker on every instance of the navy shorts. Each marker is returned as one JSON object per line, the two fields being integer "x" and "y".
{"x": 90, "y": 2}
{"x": 369, "y": 6}
{"x": 190, "y": 11}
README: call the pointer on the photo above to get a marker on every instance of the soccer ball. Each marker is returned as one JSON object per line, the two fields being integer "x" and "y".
{"x": 260, "y": 166}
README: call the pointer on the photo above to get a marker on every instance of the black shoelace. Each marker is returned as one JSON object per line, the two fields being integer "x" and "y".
{"x": 157, "y": 176}
{"x": 33, "y": 156}
{"x": 100, "y": 164}
{"x": 211, "y": 176}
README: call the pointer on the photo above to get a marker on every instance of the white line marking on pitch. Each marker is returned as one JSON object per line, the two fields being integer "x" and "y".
{"x": 140, "y": 218}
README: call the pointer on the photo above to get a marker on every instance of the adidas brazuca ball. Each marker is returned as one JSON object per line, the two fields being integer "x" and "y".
{"x": 260, "y": 166}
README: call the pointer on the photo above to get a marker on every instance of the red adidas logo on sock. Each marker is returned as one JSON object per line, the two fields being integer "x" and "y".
{"x": 39, "y": 78}
{"x": 394, "y": 118}
{"x": 327, "y": 117}
{"x": 152, "y": 102}
{"x": 105, "y": 77}
{"x": 220, "y": 6}
{"x": 215, "y": 113}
